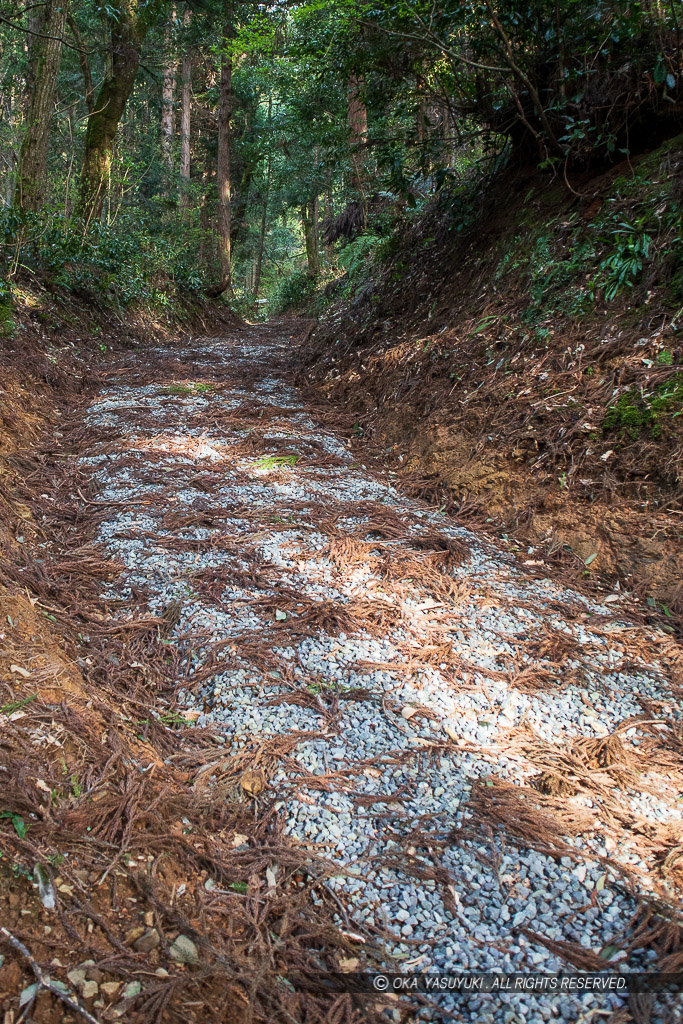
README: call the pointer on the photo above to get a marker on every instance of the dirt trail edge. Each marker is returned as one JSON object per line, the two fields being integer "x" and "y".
{"x": 487, "y": 763}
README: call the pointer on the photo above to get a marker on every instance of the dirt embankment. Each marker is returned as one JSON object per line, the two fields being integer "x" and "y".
{"x": 527, "y": 370}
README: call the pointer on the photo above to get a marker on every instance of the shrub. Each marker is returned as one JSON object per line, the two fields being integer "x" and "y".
{"x": 122, "y": 263}
{"x": 293, "y": 291}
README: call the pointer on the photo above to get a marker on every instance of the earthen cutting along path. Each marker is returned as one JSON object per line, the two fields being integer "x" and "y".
{"x": 476, "y": 752}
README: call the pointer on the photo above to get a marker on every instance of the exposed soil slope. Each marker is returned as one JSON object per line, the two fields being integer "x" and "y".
{"x": 493, "y": 361}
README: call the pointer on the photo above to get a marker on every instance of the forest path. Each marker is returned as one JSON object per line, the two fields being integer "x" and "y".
{"x": 391, "y": 679}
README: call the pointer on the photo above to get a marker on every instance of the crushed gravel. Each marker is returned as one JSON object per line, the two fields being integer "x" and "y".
{"x": 400, "y": 739}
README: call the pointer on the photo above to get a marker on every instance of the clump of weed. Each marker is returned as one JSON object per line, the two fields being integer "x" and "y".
{"x": 274, "y": 461}
{"x": 186, "y": 389}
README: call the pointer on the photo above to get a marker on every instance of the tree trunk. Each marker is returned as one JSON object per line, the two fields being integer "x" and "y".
{"x": 185, "y": 110}
{"x": 9, "y": 113}
{"x": 223, "y": 178}
{"x": 308, "y": 222}
{"x": 328, "y": 209}
{"x": 262, "y": 236}
{"x": 127, "y": 30}
{"x": 204, "y": 225}
{"x": 167, "y": 97}
{"x": 32, "y": 46}
{"x": 264, "y": 212}
{"x": 357, "y": 115}
{"x": 32, "y": 171}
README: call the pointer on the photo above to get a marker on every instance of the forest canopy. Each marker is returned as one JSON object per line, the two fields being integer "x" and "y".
{"x": 252, "y": 150}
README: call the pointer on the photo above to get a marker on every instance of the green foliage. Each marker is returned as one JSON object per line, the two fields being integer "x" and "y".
{"x": 197, "y": 388}
{"x": 7, "y": 325}
{"x": 449, "y": 92}
{"x": 18, "y": 823}
{"x": 292, "y": 292}
{"x": 358, "y": 254}
{"x": 630, "y": 246}
{"x": 568, "y": 264}
{"x": 125, "y": 265}
{"x": 276, "y": 461}
{"x": 552, "y": 270}
{"x": 637, "y": 413}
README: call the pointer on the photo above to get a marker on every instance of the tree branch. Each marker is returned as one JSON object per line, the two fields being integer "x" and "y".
{"x": 44, "y": 980}
{"x": 41, "y": 35}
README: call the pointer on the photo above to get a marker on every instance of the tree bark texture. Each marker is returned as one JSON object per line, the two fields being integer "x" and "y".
{"x": 32, "y": 170}
{"x": 357, "y": 115}
{"x": 167, "y": 101}
{"x": 128, "y": 26}
{"x": 185, "y": 115}
{"x": 309, "y": 223}
{"x": 223, "y": 174}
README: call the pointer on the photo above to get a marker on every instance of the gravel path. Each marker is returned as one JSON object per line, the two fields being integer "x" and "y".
{"x": 422, "y": 708}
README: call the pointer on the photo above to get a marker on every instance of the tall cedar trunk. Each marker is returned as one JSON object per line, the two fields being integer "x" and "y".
{"x": 127, "y": 29}
{"x": 186, "y": 100}
{"x": 9, "y": 113}
{"x": 264, "y": 212}
{"x": 32, "y": 171}
{"x": 32, "y": 45}
{"x": 167, "y": 97}
{"x": 328, "y": 208}
{"x": 262, "y": 235}
{"x": 223, "y": 176}
{"x": 203, "y": 224}
{"x": 357, "y": 115}
{"x": 309, "y": 224}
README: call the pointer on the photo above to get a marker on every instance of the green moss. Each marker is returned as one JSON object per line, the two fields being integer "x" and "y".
{"x": 7, "y": 325}
{"x": 637, "y": 413}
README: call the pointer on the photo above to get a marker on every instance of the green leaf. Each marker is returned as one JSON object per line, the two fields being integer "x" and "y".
{"x": 20, "y": 826}
{"x": 591, "y": 558}
{"x": 29, "y": 994}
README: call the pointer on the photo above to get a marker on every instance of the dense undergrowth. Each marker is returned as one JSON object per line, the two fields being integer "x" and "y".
{"x": 119, "y": 268}
{"x": 518, "y": 349}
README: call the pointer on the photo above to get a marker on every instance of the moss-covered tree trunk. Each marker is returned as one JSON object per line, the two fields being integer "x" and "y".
{"x": 129, "y": 22}
{"x": 32, "y": 170}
